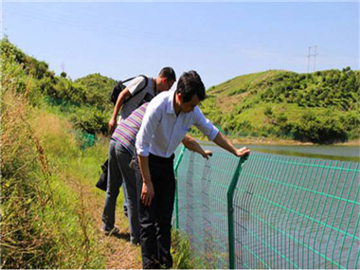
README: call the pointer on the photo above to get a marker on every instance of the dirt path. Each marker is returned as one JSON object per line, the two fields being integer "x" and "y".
{"x": 119, "y": 252}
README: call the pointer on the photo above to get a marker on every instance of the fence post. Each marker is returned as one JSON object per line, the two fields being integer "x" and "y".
{"x": 230, "y": 196}
{"x": 176, "y": 187}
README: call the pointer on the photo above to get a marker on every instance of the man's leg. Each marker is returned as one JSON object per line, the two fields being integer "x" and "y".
{"x": 147, "y": 219}
{"x": 166, "y": 196}
{"x": 125, "y": 204}
{"x": 113, "y": 185}
{"x": 128, "y": 176}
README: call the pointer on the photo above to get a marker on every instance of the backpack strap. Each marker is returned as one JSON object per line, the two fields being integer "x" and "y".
{"x": 139, "y": 91}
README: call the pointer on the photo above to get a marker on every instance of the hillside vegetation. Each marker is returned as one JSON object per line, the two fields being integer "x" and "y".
{"x": 321, "y": 107}
{"x": 85, "y": 101}
{"x": 50, "y": 210}
{"x": 45, "y": 222}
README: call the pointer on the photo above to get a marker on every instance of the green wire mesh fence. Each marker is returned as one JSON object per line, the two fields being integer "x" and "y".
{"x": 85, "y": 139}
{"x": 287, "y": 212}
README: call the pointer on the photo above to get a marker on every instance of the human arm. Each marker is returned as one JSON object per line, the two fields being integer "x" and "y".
{"x": 208, "y": 129}
{"x": 150, "y": 121}
{"x": 224, "y": 143}
{"x": 133, "y": 87}
{"x": 147, "y": 191}
{"x": 119, "y": 102}
{"x": 191, "y": 144}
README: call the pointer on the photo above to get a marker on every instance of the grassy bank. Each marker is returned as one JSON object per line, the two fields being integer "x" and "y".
{"x": 50, "y": 208}
{"x": 44, "y": 221}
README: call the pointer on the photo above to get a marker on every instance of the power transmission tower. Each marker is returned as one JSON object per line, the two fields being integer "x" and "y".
{"x": 310, "y": 55}
{"x": 315, "y": 54}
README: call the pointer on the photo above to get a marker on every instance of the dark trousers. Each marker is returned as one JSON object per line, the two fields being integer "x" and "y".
{"x": 155, "y": 220}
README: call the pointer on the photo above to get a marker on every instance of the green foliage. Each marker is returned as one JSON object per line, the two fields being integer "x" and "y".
{"x": 321, "y": 89}
{"x": 86, "y": 99}
{"x": 184, "y": 256}
{"x": 273, "y": 104}
{"x": 268, "y": 112}
{"x": 90, "y": 120}
{"x": 43, "y": 222}
{"x": 31, "y": 66}
{"x": 98, "y": 89}
{"x": 325, "y": 130}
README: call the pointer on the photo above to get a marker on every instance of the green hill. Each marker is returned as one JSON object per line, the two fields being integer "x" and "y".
{"x": 321, "y": 107}
{"x": 85, "y": 101}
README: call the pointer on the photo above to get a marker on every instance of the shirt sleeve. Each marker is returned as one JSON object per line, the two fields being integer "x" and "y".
{"x": 136, "y": 84}
{"x": 204, "y": 125}
{"x": 150, "y": 121}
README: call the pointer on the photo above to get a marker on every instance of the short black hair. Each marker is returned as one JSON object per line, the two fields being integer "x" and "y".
{"x": 168, "y": 73}
{"x": 190, "y": 84}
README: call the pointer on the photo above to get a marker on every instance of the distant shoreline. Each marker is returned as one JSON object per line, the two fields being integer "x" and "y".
{"x": 268, "y": 141}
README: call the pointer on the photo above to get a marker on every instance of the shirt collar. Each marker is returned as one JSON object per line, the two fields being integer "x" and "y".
{"x": 154, "y": 86}
{"x": 170, "y": 105}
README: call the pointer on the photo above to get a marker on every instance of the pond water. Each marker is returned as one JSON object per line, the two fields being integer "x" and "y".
{"x": 333, "y": 152}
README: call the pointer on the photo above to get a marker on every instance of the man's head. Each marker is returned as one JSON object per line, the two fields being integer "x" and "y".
{"x": 190, "y": 91}
{"x": 165, "y": 79}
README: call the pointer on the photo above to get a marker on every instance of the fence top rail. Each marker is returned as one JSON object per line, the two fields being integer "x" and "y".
{"x": 352, "y": 166}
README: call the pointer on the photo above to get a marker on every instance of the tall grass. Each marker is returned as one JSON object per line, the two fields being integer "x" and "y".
{"x": 45, "y": 222}
{"x": 186, "y": 257}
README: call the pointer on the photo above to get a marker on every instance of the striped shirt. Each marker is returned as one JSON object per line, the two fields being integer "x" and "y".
{"x": 125, "y": 133}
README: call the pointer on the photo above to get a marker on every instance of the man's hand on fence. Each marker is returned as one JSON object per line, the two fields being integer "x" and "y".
{"x": 243, "y": 152}
{"x": 207, "y": 154}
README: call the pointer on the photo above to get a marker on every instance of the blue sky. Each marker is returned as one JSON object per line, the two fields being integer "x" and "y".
{"x": 220, "y": 40}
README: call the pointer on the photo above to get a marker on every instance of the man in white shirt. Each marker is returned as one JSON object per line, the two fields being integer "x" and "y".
{"x": 168, "y": 118}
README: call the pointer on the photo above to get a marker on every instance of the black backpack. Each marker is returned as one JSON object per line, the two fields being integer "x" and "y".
{"x": 120, "y": 86}
{"x": 102, "y": 182}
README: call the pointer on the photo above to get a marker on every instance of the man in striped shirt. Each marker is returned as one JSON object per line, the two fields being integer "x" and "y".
{"x": 128, "y": 100}
{"x": 121, "y": 151}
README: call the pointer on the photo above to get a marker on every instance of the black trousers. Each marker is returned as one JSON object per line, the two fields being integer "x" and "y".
{"x": 155, "y": 220}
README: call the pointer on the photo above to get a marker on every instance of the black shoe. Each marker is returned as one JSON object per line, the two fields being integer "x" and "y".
{"x": 113, "y": 231}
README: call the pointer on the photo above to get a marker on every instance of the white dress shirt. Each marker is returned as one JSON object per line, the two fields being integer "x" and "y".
{"x": 162, "y": 131}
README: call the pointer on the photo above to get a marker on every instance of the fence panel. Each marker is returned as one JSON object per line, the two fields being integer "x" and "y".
{"x": 288, "y": 212}
{"x": 202, "y": 188}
